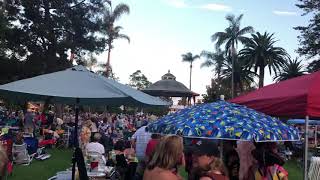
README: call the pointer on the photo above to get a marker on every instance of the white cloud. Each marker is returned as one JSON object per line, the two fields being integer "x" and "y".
{"x": 177, "y": 3}
{"x": 285, "y": 13}
{"x": 217, "y": 7}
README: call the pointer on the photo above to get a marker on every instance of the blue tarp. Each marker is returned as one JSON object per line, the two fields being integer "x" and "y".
{"x": 302, "y": 121}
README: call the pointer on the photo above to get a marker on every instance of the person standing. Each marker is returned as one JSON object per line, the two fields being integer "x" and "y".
{"x": 166, "y": 160}
{"x": 207, "y": 165}
{"x": 28, "y": 122}
{"x": 231, "y": 159}
{"x": 140, "y": 140}
{"x": 151, "y": 146}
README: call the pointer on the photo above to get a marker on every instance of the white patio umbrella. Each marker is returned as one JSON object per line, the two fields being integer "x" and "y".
{"x": 77, "y": 83}
{"x": 77, "y": 86}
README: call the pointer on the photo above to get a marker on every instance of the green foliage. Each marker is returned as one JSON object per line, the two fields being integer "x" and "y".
{"x": 243, "y": 76}
{"x": 112, "y": 31}
{"x": 189, "y": 57}
{"x": 215, "y": 90}
{"x": 216, "y": 59}
{"x": 232, "y": 35}
{"x": 260, "y": 52}
{"x": 314, "y": 66}
{"x": 40, "y": 34}
{"x": 291, "y": 69}
{"x": 89, "y": 61}
{"x": 310, "y": 34}
{"x": 139, "y": 80}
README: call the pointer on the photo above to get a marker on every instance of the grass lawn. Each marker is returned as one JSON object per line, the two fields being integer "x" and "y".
{"x": 295, "y": 172}
{"x": 42, "y": 170}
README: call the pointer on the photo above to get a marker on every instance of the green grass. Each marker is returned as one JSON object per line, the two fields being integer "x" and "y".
{"x": 295, "y": 172}
{"x": 42, "y": 170}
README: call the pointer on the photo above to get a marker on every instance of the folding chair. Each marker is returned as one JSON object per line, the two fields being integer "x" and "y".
{"x": 20, "y": 154}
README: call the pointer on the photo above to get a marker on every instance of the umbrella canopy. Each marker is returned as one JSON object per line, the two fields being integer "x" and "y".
{"x": 303, "y": 121}
{"x": 77, "y": 83}
{"x": 223, "y": 120}
{"x": 296, "y": 98}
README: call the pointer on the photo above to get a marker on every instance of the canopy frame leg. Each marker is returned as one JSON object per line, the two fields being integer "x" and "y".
{"x": 306, "y": 139}
{"x": 75, "y": 140}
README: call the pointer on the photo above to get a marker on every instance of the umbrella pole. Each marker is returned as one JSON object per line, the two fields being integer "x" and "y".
{"x": 221, "y": 149}
{"x": 306, "y": 149}
{"x": 316, "y": 137}
{"x": 75, "y": 140}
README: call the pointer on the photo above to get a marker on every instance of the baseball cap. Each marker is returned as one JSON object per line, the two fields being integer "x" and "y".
{"x": 206, "y": 148}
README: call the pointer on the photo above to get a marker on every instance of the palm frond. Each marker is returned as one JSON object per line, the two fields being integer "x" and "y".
{"x": 119, "y": 10}
{"x": 123, "y": 36}
{"x": 245, "y": 30}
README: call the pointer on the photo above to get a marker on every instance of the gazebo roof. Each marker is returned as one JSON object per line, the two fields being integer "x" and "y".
{"x": 169, "y": 87}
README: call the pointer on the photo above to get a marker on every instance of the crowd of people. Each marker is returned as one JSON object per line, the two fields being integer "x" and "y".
{"x": 123, "y": 141}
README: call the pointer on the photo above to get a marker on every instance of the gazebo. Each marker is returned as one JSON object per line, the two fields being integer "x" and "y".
{"x": 168, "y": 86}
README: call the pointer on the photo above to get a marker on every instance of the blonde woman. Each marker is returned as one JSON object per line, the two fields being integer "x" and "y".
{"x": 167, "y": 156}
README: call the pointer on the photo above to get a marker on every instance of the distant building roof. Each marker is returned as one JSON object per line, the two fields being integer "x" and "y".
{"x": 169, "y": 87}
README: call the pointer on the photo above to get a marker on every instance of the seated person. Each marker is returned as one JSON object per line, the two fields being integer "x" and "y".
{"x": 95, "y": 146}
{"x": 119, "y": 148}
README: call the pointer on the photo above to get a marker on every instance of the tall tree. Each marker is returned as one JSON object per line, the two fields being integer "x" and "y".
{"x": 214, "y": 59}
{"x": 314, "y": 66}
{"x": 231, "y": 37}
{"x": 40, "y": 33}
{"x": 291, "y": 69}
{"x": 139, "y": 80}
{"x": 310, "y": 34}
{"x": 90, "y": 61}
{"x": 260, "y": 53}
{"x": 190, "y": 58}
{"x": 243, "y": 76}
{"x": 113, "y": 32}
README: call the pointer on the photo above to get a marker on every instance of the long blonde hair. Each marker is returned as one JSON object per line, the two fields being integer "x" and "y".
{"x": 168, "y": 153}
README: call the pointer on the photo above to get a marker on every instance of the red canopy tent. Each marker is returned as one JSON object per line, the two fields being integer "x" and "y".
{"x": 294, "y": 98}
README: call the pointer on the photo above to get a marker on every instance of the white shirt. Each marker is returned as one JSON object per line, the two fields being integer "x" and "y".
{"x": 142, "y": 138}
{"x": 95, "y": 147}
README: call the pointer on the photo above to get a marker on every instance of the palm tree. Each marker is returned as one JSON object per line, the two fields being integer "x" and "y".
{"x": 215, "y": 59}
{"x": 231, "y": 37}
{"x": 260, "y": 52}
{"x": 190, "y": 58}
{"x": 222, "y": 64}
{"x": 113, "y": 32}
{"x": 291, "y": 69}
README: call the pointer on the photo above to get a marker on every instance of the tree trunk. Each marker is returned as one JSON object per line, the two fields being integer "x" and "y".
{"x": 190, "y": 76}
{"x": 261, "y": 77}
{"x": 108, "y": 61}
{"x": 233, "y": 54}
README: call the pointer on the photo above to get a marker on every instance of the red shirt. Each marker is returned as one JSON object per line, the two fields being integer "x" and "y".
{"x": 152, "y": 144}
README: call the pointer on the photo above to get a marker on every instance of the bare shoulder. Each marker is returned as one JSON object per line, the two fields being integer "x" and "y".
{"x": 168, "y": 175}
{"x": 158, "y": 174}
{"x": 205, "y": 178}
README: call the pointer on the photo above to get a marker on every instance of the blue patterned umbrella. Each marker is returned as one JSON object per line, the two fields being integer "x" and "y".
{"x": 223, "y": 120}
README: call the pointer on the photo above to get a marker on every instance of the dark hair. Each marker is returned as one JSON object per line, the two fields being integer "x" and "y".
{"x": 155, "y": 136}
{"x": 267, "y": 158}
{"x": 119, "y": 146}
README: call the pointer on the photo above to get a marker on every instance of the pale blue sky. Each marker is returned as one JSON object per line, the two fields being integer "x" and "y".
{"x": 162, "y": 30}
